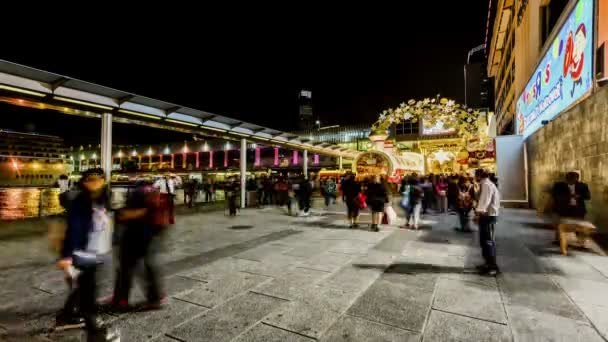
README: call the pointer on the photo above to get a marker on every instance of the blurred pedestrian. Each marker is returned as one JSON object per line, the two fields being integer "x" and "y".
{"x": 167, "y": 185}
{"x": 87, "y": 241}
{"x": 145, "y": 216}
{"x": 330, "y": 192}
{"x": 416, "y": 196}
{"x": 464, "y": 204}
{"x": 232, "y": 193}
{"x": 304, "y": 196}
{"x": 441, "y": 189}
{"x": 351, "y": 190}
{"x": 377, "y": 197}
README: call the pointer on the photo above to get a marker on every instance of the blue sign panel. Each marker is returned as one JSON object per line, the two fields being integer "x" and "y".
{"x": 564, "y": 74}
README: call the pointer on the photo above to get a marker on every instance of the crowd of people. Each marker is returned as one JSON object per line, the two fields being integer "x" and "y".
{"x": 149, "y": 210}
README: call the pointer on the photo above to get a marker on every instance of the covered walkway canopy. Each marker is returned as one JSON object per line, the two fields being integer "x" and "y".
{"x": 87, "y": 99}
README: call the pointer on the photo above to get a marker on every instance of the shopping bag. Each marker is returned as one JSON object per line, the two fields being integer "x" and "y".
{"x": 405, "y": 202}
{"x": 390, "y": 214}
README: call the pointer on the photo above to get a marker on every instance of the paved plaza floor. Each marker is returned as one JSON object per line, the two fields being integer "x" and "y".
{"x": 265, "y": 276}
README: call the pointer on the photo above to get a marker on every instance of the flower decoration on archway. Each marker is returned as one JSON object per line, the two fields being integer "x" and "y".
{"x": 432, "y": 111}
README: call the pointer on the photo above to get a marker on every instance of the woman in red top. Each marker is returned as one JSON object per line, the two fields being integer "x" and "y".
{"x": 441, "y": 188}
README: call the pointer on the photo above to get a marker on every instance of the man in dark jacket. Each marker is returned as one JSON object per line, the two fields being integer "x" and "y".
{"x": 570, "y": 197}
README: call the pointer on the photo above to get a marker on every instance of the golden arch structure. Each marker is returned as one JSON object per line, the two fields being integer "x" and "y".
{"x": 452, "y": 139}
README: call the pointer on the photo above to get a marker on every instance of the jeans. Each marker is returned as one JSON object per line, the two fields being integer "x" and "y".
{"x": 465, "y": 221}
{"x": 139, "y": 242}
{"x": 329, "y": 199}
{"x": 487, "y": 241}
{"x": 413, "y": 213}
{"x": 442, "y": 203}
{"x": 304, "y": 203}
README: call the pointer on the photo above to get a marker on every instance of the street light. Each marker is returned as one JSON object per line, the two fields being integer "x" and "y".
{"x": 318, "y": 123}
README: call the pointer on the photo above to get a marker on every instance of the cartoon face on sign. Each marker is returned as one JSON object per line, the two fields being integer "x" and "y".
{"x": 522, "y": 123}
{"x": 575, "y": 56}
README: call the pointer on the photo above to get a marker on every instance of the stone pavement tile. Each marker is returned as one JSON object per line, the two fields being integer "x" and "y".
{"x": 394, "y": 304}
{"x": 305, "y": 319}
{"x": 335, "y": 299}
{"x": 262, "y": 251}
{"x": 145, "y": 325}
{"x": 523, "y": 265}
{"x": 292, "y": 284}
{"x": 353, "y": 247}
{"x": 217, "y": 269}
{"x": 469, "y": 299}
{"x": 351, "y": 329}
{"x": 354, "y": 277}
{"x": 229, "y": 320}
{"x": 597, "y": 261}
{"x": 572, "y": 267}
{"x": 266, "y": 333}
{"x": 538, "y": 292}
{"x": 268, "y": 269}
{"x": 598, "y": 316}
{"x": 584, "y": 291}
{"x": 326, "y": 261}
{"x": 219, "y": 291}
{"x": 396, "y": 241}
{"x": 472, "y": 277}
{"x": 313, "y": 310}
{"x": 175, "y": 285}
{"x": 444, "y": 326}
{"x": 531, "y": 325}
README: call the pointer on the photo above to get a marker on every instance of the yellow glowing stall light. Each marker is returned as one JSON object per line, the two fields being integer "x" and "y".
{"x": 149, "y": 116}
{"x": 213, "y": 129}
{"x": 22, "y": 91}
{"x": 84, "y": 103}
{"x": 181, "y": 122}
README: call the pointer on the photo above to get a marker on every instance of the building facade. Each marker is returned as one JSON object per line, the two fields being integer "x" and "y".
{"x": 545, "y": 57}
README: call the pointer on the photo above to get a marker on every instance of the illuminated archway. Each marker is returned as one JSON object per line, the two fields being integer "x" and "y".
{"x": 465, "y": 121}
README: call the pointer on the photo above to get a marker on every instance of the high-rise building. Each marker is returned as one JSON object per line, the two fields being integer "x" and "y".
{"x": 305, "y": 115}
{"x": 479, "y": 92}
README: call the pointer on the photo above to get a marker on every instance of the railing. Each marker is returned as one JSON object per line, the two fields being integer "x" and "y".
{"x": 28, "y": 202}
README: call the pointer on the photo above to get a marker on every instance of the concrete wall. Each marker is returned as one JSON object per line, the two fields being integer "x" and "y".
{"x": 576, "y": 140}
{"x": 511, "y": 169}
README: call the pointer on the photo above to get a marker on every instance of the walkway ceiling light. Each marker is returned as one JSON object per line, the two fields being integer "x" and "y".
{"x": 241, "y": 134}
{"x": 140, "y": 114}
{"x": 22, "y": 91}
{"x": 84, "y": 103}
{"x": 213, "y": 128}
{"x": 181, "y": 122}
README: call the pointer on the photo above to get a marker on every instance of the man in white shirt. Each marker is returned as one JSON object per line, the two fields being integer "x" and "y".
{"x": 487, "y": 212}
{"x": 166, "y": 186}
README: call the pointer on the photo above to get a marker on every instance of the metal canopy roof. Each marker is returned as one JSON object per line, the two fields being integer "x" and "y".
{"x": 23, "y": 79}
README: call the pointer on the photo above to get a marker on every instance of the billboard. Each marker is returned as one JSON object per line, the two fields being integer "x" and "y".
{"x": 564, "y": 74}
{"x": 439, "y": 127}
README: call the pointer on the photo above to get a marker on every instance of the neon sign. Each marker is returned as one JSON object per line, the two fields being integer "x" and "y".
{"x": 564, "y": 75}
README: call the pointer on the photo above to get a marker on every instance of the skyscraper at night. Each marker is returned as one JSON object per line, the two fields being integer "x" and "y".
{"x": 305, "y": 118}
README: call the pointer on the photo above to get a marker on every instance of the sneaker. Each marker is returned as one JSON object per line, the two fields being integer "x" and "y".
{"x": 103, "y": 335}
{"x": 63, "y": 322}
{"x": 405, "y": 226}
{"x": 491, "y": 272}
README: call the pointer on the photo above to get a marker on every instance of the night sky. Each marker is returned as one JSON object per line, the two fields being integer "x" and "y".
{"x": 251, "y": 67}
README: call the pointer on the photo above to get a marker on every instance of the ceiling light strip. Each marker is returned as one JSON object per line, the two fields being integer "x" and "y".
{"x": 22, "y": 91}
{"x": 84, "y": 103}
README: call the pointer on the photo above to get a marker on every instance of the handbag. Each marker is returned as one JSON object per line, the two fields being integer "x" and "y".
{"x": 362, "y": 201}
